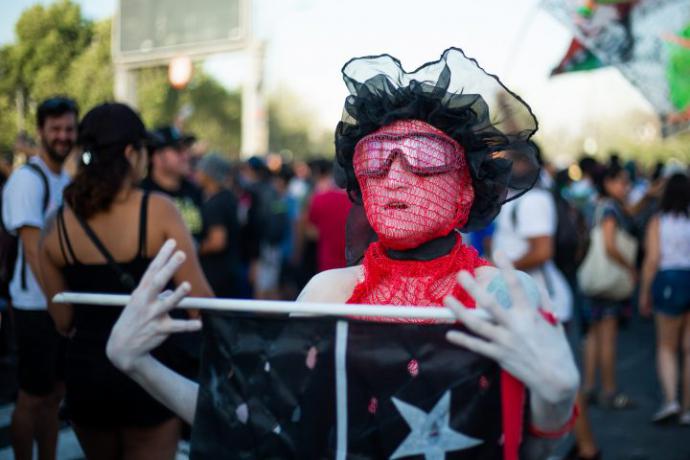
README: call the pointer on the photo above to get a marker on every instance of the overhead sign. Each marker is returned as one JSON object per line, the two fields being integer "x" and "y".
{"x": 153, "y": 31}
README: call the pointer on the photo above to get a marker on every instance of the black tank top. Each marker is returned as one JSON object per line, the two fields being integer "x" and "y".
{"x": 98, "y": 394}
{"x": 93, "y": 323}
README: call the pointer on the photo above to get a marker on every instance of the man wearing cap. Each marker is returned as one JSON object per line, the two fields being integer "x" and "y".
{"x": 31, "y": 193}
{"x": 169, "y": 168}
{"x": 219, "y": 249}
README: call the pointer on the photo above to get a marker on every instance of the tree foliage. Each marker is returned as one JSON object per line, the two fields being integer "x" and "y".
{"x": 48, "y": 41}
{"x": 90, "y": 76}
{"x": 214, "y": 113}
{"x": 42, "y": 62}
{"x": 291, "y": 127}
{"x": 58, "y": 51}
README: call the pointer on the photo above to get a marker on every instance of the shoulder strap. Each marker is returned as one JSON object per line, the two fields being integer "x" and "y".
{"x": 124, "y": 277}
{"x": 143, "y": 218}
{"x": 46, "y": 186}
{"x": 46, "y": 198}
{"x": 62, "y": 236}
{"x": 513, "y": 214}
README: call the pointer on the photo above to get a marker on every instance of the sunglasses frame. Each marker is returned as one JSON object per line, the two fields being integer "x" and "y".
{"x": 393, "y": 153}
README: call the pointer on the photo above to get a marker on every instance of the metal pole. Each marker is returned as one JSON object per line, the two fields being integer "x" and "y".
{"x": 126, "y": 85}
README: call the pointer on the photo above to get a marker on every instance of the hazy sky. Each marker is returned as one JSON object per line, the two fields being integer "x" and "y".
{"x": 310, "y": 40}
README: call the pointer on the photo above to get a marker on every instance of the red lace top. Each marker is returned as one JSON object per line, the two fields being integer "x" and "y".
{"x": 390, "y": 281}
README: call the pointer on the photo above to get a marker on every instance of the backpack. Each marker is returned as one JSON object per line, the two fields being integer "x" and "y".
{"x": 572, "y": 234}
{"x": 268, "y": 217}
{"x": 275, "y": 219}
{"x": 9, "y": 244}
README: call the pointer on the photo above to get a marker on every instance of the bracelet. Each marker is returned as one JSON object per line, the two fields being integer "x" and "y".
{"x": 548, "y": 316}
{"x": 534, "y": 431}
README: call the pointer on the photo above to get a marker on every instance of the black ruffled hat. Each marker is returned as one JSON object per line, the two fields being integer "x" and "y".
{"x": 455, "y": 95}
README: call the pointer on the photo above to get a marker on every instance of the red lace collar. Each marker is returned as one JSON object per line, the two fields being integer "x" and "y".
{"x": 412, "y": 282}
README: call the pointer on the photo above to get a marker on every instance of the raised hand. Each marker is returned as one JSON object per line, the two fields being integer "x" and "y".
{"x": 524, "y": 340}
{"x": 145, "y": 323}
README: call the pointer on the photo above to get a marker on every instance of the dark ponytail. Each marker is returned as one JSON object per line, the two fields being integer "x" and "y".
{"x": 99, "y": 178}
{"x": 611, "y": 171}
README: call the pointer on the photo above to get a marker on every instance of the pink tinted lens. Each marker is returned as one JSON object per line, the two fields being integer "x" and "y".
{"x": 421, "y": 154}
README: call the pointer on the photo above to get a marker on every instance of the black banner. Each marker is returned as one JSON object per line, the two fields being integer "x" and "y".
{"x": 304, "y": 387}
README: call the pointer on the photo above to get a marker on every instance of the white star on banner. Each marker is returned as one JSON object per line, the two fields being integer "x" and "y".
{"x": 431, "y": 434}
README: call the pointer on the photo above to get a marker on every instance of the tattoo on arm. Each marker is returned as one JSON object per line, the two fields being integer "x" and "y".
{"x": 499, "y": 288}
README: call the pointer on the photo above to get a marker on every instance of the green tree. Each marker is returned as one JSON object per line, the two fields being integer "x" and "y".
{"x": 8, "y": 113}
{"x": 158, "y": 102}
{"x": 215, "y": 113}
{"x": 292, "y": 127}
{"x": 49, "y": 40}
{"x": 90, "y": 75}
{"x": 57, "y": 51}
{"x": 8, "y": 123}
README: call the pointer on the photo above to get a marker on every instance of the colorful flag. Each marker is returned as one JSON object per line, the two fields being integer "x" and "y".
{"x": 576, "y": 59}
{"x": 278, "y": 387}
{"x": 646, "y": 41}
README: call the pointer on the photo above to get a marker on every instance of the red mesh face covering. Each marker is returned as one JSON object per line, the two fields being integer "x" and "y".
{"x": 415, "y": 183}
{"x": 415, "y": 187}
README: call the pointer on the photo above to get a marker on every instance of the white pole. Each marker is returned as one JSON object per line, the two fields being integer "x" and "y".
{"x": 125, "y": 85}
{"x": 278, "y": 307}
{"x": 254, "y": 138}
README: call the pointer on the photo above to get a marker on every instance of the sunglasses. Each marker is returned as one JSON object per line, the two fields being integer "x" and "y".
{"x": 59, "y": 102}
{"x": 422, "y": 154}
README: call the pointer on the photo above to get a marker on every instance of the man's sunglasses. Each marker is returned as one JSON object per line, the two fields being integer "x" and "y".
{"x": 59, "y": 102}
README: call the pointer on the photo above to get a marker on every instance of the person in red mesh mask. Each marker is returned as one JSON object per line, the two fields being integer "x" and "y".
{"x": 416, "y": 189}
{"x": 421, "y": 160}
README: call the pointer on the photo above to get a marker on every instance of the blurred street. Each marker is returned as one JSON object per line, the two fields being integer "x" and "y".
{"x": 628, "y": 434}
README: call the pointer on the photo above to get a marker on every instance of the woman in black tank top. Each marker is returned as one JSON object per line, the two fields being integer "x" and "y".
{"x": 99, "y": 242}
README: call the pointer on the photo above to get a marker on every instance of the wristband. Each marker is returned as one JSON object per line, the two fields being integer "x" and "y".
{"x": 548, "y": 316}
{"x": 534, "y": 431}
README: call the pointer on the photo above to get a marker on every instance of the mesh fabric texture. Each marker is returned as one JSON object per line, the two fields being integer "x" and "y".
{"x": 414, "y": 181}
{"x": 412, "y": 282}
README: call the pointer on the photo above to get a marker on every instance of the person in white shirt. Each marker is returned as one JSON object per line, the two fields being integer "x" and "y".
{"x": 31, "y": 193}
{"x": 525, "y": 232}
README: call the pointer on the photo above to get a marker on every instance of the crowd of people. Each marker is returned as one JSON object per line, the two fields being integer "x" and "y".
{"x": 589, "y": 211}
{"x": 255, "y": 232}
{"x": 261, "y": 229}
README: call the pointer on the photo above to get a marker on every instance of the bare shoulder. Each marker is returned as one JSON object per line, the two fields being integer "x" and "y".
{"x": 163, "y": 214}
{"x": 491, "y": 279}
{"x": 332, "y": 286}
{"x": 161, "y": 204}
